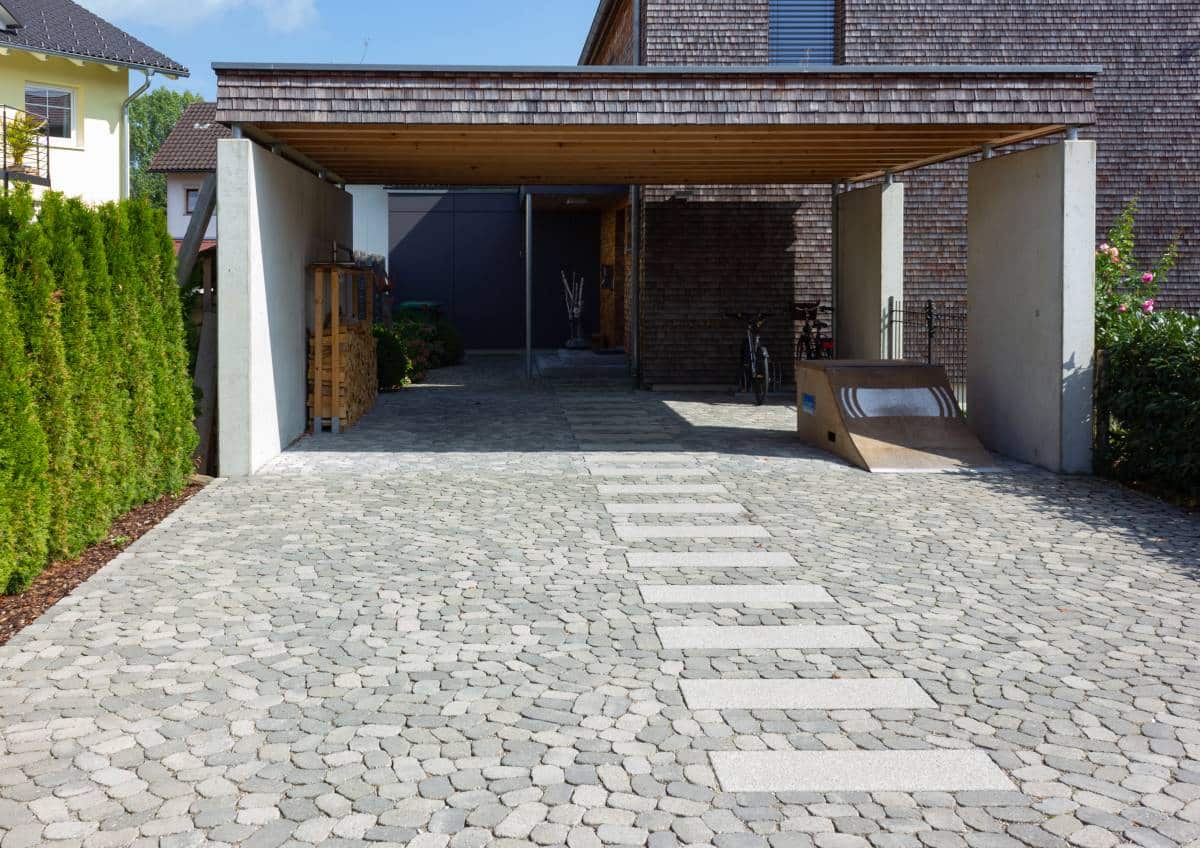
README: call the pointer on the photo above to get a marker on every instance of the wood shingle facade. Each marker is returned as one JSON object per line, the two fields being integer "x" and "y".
{"x": 1148, "y": 105}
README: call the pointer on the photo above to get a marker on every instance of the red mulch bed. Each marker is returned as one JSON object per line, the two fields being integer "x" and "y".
{"x": 62, "y": 578}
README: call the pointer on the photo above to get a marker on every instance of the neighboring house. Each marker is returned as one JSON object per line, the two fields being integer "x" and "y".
{"x": 71, "y": 68}
{"x": 188, "y": 155}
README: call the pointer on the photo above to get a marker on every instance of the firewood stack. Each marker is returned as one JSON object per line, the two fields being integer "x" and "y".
{"x": 343, "y": 380}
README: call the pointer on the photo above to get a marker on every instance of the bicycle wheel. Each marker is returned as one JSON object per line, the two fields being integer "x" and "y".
{"x": 760, "y": 381}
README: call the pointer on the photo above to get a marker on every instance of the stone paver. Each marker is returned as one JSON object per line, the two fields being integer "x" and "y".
{"x": 737, "y": 637}
{"x": 767, "y": 694}
{"x": 760, "y": 597}
{"x": 861, "y": 771}
{"x": 427, "y": 632}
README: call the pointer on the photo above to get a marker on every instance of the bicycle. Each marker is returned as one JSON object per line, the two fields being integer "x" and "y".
{"x": 812, "y": 342}
{"x": 755, "y": 366}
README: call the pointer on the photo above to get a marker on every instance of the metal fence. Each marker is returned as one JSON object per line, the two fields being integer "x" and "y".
{"x": 933, "y": 332}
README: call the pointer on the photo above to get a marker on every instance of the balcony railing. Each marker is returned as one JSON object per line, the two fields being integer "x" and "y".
{"x": 25, "y": 156}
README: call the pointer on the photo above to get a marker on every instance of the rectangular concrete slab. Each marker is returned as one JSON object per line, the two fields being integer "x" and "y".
{"x": 761, "y": 597}
{"x": 758, "y": 694}
{"x": 858, "y": 771}
{"x": 646, "y": 471}
{"x": 766, "y": 637}
{"x": 635, "y": 533}
{"x": 617, "y": 448}
{"x": 710, "y": 559}
{"x": 675, "y": 509}
{"x": 637, "y": 457}
{"x": 612, "y": 490}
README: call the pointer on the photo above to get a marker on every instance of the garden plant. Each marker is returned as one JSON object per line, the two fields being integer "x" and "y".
{"x": 1149, "y": 389}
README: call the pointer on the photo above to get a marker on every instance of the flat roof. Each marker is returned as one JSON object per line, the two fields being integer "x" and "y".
{"x": 776, "y": 124}
{"x": 669, "y": 70}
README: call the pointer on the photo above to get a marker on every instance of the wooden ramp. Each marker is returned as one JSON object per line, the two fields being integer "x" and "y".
{"x": 886, "y": 417}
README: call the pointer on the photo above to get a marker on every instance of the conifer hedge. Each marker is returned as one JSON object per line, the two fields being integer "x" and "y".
{"x": 95, "y": 397}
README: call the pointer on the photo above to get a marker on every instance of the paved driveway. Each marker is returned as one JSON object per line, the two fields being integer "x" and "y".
{"x": 502, "y": 615}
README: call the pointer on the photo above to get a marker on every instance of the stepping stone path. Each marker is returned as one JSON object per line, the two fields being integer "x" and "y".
{"x": 773, "y": 771}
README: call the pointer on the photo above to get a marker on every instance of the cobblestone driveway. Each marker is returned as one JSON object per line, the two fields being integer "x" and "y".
{"x": 448, "y": 626}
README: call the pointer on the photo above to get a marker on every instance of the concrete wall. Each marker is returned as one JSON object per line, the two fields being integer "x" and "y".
{"x": 1031, "y": 302}
{"x": 870, "y": 267}
{"x": 178, "y": 219}
{"x": 89, "y": 165}
{"x": 370, "y": 219}
{"x": 276, "y": 219}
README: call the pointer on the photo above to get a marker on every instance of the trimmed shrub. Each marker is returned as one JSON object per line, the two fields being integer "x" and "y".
{"x": 92, "y": 339}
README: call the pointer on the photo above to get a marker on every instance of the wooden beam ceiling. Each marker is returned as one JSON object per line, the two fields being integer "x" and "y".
{"x": 644, "y": 155}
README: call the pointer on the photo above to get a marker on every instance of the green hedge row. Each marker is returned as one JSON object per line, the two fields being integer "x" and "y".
{"x": 1151, "y": 390}
{"x": 95, "y": 397}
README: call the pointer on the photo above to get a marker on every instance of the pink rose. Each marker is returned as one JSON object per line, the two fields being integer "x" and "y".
{"x": 1148, "y": 306}
{"x": 1122, "y": 308}
{"x": 1104, "y": 248}
{"x": 1147, "y": 278}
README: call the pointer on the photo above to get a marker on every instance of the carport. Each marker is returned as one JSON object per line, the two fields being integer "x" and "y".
{"x": 302, "y": 132}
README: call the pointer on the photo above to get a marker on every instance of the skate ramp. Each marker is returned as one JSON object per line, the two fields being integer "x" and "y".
{"x": 886, "y": 417}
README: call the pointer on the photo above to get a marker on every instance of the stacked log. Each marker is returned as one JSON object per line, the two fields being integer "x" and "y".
{"x": 357, "y": 379}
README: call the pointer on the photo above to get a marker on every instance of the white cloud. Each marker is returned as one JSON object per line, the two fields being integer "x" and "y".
{"x": 280, "y": 15}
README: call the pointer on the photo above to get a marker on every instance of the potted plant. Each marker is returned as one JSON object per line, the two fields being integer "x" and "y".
{"x": 20, "y": 136}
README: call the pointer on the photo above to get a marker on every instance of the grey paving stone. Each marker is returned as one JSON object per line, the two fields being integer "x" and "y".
{"x": 440, "y": 595}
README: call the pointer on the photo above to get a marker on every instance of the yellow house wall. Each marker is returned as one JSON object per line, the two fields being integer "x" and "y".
{"x": 90, "y": 165}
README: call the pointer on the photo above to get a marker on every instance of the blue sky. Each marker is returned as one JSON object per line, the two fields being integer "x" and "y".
{"x": 463, "y": 32}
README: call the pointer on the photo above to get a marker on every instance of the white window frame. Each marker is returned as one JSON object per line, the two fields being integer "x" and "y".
{"x": 74, "y": 139}
{"x": 188, "y": 193}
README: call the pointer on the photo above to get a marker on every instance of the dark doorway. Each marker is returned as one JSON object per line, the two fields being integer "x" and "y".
{"x": 567, "y": 241}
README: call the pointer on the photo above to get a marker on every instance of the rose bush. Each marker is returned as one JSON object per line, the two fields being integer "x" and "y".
{"x": 1148, "y": 395}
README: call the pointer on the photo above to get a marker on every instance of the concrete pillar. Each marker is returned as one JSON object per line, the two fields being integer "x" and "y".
{"x": 276, "y": 219}
{"x": 870, "y": 267}
{"x": 1031, "y": 304}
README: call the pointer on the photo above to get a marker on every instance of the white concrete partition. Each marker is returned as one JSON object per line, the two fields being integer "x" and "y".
{"x": 275, "y": 219}
{"x": 1031, "y": 304}
{"x": 870, "y": 267}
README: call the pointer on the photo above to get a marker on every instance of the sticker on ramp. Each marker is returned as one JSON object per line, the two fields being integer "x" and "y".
{"x": 809, "y": 405}
{"x": 927, "y": 402}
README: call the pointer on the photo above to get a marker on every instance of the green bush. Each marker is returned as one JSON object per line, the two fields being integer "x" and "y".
{"x": 1149, "y": 393}
{"x": 95, "y": 398}
{"x": 443, "y": 338}
{"x": 395, "y": 366}
{"x": 1151, "y": 389}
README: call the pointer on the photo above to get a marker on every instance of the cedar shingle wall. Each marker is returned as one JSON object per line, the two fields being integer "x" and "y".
{"x": 1147, "y": 99}
{"x": 1148, "y": 102}
{"x": 615, "y": 44}
{"x": 724, "y": 249}
{"x": 706, "y": 32}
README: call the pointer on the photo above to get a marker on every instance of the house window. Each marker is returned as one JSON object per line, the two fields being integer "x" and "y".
{"x": 190, "y": 196}
{"x": 54, "y": 105}
{"x": 803, "y": 32}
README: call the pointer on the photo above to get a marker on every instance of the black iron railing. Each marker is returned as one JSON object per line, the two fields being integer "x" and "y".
{"x": 933, "y": 332}
{"x": 24, "y": 147}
